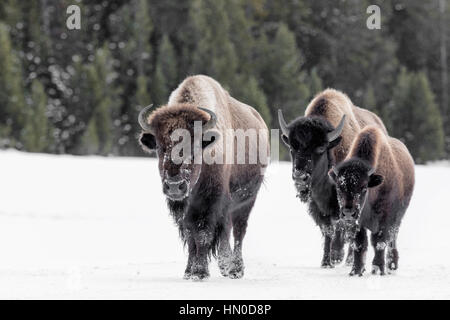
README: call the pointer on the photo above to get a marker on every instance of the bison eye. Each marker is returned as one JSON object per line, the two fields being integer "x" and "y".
{"x": 320, "y": 150}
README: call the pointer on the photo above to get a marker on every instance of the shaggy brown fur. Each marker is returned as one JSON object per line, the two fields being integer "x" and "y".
{"x": 389, "y": 157}
{"x": 221, "y": 195}
{"x": 375, "y": 184}
{"x": 313, "y": 156}
{"x": 332, "y": 104}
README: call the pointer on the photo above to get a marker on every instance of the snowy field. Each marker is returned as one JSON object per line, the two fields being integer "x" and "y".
{"x": 96, "y": 228}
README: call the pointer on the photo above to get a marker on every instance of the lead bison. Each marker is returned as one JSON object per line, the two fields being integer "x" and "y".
{"x": 207, "y": 200}
{"x": 317, "y": 141}
{"x": 374, "y": 186}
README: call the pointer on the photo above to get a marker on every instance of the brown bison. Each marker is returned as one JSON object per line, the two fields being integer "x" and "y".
{"x": 207, "y": 199}
{"x": 374, "y": 187}
{"x": 317, "y": 141}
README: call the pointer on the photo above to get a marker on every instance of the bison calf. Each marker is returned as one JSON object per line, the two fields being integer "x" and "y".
{"x": 374, "y": 186}
{"x": 317, "y": 141}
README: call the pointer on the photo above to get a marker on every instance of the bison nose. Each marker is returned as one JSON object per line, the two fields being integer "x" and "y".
{"x": 300, "y": 176}
{"x": 175, "y": 190}
{"x": 347, "y": 214}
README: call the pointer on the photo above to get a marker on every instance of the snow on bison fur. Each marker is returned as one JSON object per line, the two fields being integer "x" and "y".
{"x": 317, "y": 141}
{"x": 374, "y": 187}
{"x": 207, "y": 200}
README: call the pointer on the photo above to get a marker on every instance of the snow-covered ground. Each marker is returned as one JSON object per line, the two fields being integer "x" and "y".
{"x": 89, "y": 227}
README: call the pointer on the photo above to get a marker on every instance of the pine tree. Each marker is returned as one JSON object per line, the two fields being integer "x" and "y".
{"x": 37, "y": 133}
{"x": 168, "y": 63}
{"x": 284, "y": 82}
{"x": 369, "y": 99}
{"x": 159, "y": 88}
{"x": 12, "y": 101}
{"x": 103, "y": 102}
{"x": 250, "y": 93}
{"x": 214, "y": 54}
{"x": 142, "y": 92}
{"x": 315, "y": 83}
{"x": 416, "y": 118}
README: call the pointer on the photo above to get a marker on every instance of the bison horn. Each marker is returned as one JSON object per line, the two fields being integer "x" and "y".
{"x": 333, "y": 135}
{"x": 283, "y": 125}
{"x": 143, "y": 119}
{"x": 371, "y": 171}
{"x": 334, "y": 170}
{"x": 212, "y": 121}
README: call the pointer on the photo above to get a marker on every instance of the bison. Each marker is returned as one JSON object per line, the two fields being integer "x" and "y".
{"x": 374, "y": 187}
{"x": 207, "y": 200}
{"x": 317, "y": 141}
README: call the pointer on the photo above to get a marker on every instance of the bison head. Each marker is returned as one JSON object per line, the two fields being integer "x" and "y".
{"x": 170, "y": 131}
{"x": 353, "y": 178}
{"x": 309, "y": 140}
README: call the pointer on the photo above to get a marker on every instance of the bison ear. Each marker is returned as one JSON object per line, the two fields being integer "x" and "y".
{"x": 334, "y": 143}
{"x": 148, "y": 142}
{"x": 285, "y": 139}
{"x": 375, "y": 180}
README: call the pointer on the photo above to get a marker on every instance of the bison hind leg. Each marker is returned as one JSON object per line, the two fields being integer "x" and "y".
{"x": 392, "y": 257}
{"x": 337, "y": 246}
{"x": 225, "y": 252}
{"x": 239, "y": 219}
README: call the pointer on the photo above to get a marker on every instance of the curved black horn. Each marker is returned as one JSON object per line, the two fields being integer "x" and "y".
{"x": 143, "y": 118}
{"x": 333, "y": 135}
{"x": 212, "y": 121}
{"x": 371, "y": 171}
{"x": 283, "y": 124}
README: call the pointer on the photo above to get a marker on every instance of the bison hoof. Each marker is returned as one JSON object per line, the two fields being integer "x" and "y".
{"x": 357, "y": 272}
{"x": 326, "y": 264}
{"x": 199, "y": 276}
{"x": 378, "y": 270}
{"x": 224, "y": 272}
{"x": 392, "y": 265}
{"x": 236, "y": 274}
{"x": 349, "y": 260}
{"x": 187, "y": 276}
{"x": 337, "y": 256}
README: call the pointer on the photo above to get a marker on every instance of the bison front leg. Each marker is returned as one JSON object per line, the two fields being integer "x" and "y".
{"x": 350, "y": 256}
{"x": 327, "y": 232}
{"x": 192, "y": 255}
{"x": 359, "y": 252}
{"x": 199, "y": 269}
{"x": 337, "y": 245}
{"x": 379, "y": 244}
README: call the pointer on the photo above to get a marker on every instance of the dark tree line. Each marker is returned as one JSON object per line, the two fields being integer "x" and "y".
{"x": 79, "y": 91}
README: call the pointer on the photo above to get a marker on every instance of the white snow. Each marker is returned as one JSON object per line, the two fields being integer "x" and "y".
{"x": 98, "y": 228}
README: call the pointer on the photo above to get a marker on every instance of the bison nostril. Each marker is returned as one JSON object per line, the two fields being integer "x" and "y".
{"x": 347, "y": 213}
{"x": 183, "y": 187}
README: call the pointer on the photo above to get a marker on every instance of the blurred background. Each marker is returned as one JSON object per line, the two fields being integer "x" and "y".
{"x": 79, "y": 91}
